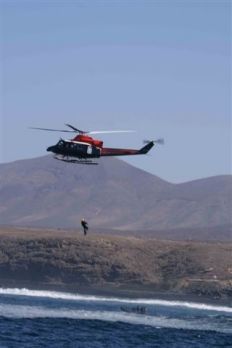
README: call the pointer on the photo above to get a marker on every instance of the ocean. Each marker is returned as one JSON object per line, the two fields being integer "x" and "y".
{"x": 30, "y": 318}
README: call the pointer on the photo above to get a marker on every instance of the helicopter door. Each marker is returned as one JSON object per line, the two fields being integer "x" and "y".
{"x": 89, "y": 150}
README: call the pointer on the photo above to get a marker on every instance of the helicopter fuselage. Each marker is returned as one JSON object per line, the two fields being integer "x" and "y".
{"x": 88, "y": 149}
{"x": 69, "y": 148}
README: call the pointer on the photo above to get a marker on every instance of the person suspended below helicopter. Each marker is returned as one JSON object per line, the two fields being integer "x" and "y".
{"x": 85, "y": 226}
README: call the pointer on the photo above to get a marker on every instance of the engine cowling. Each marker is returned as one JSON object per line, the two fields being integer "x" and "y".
{"x": 89, "y": 140}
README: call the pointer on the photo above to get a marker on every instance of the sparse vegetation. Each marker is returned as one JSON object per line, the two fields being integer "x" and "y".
{"x": 41, "y": 258}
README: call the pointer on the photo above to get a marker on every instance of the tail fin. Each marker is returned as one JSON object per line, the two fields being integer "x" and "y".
{"x": 146, "y": 148}
{"x": 150, "y": 144}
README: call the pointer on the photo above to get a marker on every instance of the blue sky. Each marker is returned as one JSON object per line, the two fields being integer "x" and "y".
{"x": 162, "y": 68}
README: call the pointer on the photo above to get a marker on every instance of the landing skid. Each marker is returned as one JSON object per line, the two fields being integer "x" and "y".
{"x": 77, "y": 161}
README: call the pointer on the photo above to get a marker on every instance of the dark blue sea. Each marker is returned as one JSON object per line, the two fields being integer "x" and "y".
{"x": 54, "y": 319}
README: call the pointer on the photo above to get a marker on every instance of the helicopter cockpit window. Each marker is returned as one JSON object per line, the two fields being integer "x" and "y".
{"x": 61, "y": 143}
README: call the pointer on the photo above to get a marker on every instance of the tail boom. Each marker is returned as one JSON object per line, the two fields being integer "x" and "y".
{"x": 126, "y": 152}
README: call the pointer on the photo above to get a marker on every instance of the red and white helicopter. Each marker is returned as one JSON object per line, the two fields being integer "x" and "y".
{"x": 83, "y": 148}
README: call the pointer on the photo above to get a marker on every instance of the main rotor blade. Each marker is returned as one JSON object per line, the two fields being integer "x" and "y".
{"x": 76, "y": 129}
{"x": 54, "y": 130}
{"x": 114, "y": 131}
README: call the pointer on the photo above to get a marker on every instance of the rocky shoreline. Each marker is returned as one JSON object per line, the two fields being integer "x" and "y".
{"x": 111, "y": 292}
{"x": 116, "y": 266}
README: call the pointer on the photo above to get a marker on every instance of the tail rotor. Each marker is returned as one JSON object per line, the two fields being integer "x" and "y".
{"x": 157, "y": 141}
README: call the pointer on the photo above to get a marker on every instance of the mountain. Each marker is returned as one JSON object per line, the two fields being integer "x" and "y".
{"x": 43, "y": 192}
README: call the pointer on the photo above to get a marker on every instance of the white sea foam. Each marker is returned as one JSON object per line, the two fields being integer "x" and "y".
{"x": 31, "y": 312}
{"x": 79, "y": 297}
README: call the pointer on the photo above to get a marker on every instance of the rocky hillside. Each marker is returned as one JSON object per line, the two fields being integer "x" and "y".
{"x": 48, "y": 193}
{"x": 38, "y": 259}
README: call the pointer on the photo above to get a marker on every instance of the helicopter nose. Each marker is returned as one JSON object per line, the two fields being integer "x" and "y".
{"x": 50, "y": 148}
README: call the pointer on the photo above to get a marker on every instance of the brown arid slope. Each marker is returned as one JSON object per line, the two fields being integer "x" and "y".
{"x": 43, "y": 192}
{"x": 221, "y": 233}
{"x": 39, "y": 259}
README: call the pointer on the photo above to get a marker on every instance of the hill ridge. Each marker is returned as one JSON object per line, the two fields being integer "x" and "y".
{"x": 43, "y": 192}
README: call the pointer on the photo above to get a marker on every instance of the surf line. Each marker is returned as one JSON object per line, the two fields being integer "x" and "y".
{"x": 78, "y": 297}
{"x": 33, "y": 312}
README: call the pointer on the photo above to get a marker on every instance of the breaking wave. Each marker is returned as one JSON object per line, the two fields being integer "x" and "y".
{"x": 32, "y": 312}
{"x": 79, "y": 297}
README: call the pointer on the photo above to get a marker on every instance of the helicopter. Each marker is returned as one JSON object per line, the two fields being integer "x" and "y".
{"x": 83, "y": 149}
